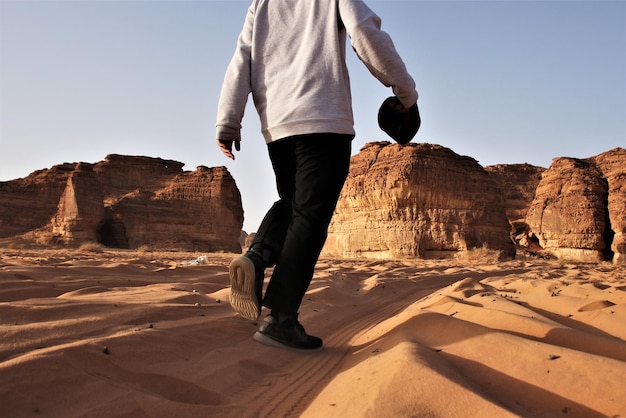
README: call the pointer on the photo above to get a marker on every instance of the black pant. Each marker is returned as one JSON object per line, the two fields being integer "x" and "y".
{"x": 310, "y": 172}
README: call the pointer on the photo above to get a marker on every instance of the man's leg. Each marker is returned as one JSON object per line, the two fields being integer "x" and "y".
{"x": 322, "y": 163}
{"x": 247, "y": 272}
{"x": 321, "y": 166}
{"x": 270, "y": 236}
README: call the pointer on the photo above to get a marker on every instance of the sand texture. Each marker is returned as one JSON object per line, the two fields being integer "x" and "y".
{"x": 128, "y": 334}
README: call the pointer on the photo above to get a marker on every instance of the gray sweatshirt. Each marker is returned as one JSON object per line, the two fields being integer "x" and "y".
{"x": 291, "y": 56}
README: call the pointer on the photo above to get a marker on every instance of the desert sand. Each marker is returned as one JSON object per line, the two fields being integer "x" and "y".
{"x": 149, "y": 334}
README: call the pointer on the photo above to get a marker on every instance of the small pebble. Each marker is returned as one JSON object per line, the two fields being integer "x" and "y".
{"x": 105, "y": 350}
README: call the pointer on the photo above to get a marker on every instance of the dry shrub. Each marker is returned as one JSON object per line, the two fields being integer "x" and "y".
{"x": 143, "y": 249}
{"x": 14, "y": 246}
{"x": 480, "y": 255}
{"x": 91, "y": 247}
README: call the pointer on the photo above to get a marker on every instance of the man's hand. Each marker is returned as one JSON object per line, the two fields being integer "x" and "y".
{"x": 226, "y": 146}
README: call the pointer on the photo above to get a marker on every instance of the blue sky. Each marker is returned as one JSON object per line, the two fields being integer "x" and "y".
{"x": 500, "y": 81}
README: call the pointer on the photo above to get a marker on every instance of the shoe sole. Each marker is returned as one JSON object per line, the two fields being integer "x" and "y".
{"x": 264, "y": 339}
{"x": 243, "y": 297}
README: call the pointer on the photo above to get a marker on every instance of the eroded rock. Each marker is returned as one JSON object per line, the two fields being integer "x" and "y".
{"x": 420, "y": 200}
{"x": 125, "y": 202}
{"x": 579, "y": 210}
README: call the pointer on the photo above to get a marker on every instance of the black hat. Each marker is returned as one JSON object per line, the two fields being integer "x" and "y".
{"x": 399, "y": 123}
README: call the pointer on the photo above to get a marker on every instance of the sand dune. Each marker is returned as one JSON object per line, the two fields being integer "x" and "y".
{"x": 146, "y": 334}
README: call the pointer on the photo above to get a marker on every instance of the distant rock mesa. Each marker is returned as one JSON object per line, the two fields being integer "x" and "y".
{"x": 125, "y": 202}
{"x": 418, "y": 200}
{"x": 415, "y": 201}
{"x": 579, "y": 208}
{"x": 424, "y": 200}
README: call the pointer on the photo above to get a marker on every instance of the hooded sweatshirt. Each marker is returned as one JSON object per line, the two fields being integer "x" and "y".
{"x": 291, "y": 56}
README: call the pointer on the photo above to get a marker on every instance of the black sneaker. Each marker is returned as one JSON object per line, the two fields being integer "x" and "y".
{"x": 246, "y": 287}
{"x": 288, "y": 333}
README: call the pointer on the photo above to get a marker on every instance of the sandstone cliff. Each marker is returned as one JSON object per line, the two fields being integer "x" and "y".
{"x": 612, "y": 164}
{"x": 579, "y": 209}
{"x": 29, "y": 203}
{"x": 419, "y": 200}
{"x": 517, "y": 184}
{"x": 125, "y": 202}
{"x": 425, "y": 201}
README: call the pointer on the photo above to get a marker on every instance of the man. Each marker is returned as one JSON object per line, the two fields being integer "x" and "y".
{"x": 291, "y": 56}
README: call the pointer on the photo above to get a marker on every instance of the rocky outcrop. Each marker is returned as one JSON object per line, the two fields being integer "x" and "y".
{"x": 79, "y": 210}
{"x": 612, "y": 164}
{"x": 517, "y": 184}
{"x": 579, "y": 208}
{"x": 418, "y": 200}
{"x": 126, "y": 202}
{"x": 424, "y": 200}
{"x": 29, "y": 203}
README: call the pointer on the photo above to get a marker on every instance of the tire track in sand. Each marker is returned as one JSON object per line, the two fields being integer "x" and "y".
{"x": 309, "y": 373}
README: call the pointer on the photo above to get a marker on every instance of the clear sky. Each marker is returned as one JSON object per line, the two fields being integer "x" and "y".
{"x": 500, "y": 81}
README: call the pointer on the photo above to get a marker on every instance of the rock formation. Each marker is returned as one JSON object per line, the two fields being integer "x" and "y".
{"x": 419, "y": 200}
{"x": 579, "y": 208}
{"x": 125, "y": 202}
{"x": 517, "y": 184}
{"x": 29, "y": 203}
{"x": 612, "y": 164}
{"x": 424, "y": 200}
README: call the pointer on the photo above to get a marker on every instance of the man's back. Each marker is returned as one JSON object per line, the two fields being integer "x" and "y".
{"x": 299, "y": 78}
{"x": 291, "y": 57}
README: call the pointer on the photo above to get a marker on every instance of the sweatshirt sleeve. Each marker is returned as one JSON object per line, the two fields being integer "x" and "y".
{"x": 376, "y": 50}
{"x": 236, "y": 86}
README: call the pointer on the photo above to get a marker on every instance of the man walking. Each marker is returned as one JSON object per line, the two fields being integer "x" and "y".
{"x": 290, "y": 56}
